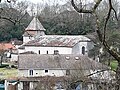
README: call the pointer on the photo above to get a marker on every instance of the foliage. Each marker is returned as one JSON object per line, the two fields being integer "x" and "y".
{"x": 67, "y": 23}
{"x": 113, "y": 65}
{"x": 8, "y": 73}
{"x": 4, "y": 65}
{"x": 12, "y": 22}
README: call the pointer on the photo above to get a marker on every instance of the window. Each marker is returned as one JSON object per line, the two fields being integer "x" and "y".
{"x": 46, "y": 71}
{"x": 56, "y": 52}
{"x": 67, "y": 72}
{"x": 39, "y": 51}
{"x": 77, "y": 58}
{"x": 83, "y": 50}
{"x": 47, "y": 52}
{"x": 67, "y": 58}
{"x": 31, "y": 72}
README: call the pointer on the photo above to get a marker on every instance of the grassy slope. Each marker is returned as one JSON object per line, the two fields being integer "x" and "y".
{"x": 8, "y": 73}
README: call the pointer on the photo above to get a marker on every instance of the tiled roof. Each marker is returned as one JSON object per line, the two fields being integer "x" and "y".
{"x": 35, "y": 25}
{"x": 34, "y": 61}
{"x": 57, "y": 40}
{"x": 7, "y": 46}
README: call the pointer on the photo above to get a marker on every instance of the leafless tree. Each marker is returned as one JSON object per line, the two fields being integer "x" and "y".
{"x": 20, "y": 6}
{"x": 102, "y": 35}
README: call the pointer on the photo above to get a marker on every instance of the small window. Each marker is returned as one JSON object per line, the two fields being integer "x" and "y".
{"x": 31, "y": 72}
{"x": 67, "y": 58}
{"x": 39, "y": 51}
{"x": 83, "y": 50}
{"x": 77, "y": 58}
{"x": 56, "y": 52}
{"x": 47, "y": 52}
{"x": 46, "y": 71}
{"x": 67, "y": 72}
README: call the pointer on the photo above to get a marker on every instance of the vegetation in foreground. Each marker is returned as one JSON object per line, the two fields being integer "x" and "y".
{"x": 113, "y": 65}
{"x": 8, "y": 73}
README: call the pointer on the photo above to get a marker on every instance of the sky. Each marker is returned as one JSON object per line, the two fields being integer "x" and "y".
{"x": 47, "y": 1}
{"x": 51, "y": 1}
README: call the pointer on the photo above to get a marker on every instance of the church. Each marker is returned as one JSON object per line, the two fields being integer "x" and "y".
{"x": 35, "y": 40}
{"x": 55, "y": 56}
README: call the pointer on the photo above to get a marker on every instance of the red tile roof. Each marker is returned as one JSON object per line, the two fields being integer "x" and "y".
{"x": 7, "y": 46}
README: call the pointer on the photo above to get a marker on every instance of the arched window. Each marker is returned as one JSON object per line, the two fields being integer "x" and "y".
{"x": 83, "y": 50}
{"x": 30, "y": 72}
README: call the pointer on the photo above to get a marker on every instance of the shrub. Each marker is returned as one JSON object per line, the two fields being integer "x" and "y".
{"x": 4, "y": 65}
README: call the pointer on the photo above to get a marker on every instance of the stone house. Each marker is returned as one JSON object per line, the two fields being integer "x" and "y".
{"x": 34, "y": 67}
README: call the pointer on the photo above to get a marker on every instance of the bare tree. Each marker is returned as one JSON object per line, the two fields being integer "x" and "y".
{"x": 102, "y": 35}
{"x": 20, "y": 6}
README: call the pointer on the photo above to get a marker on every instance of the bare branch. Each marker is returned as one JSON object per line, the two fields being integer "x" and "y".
{"x": 9, "y": 19}
{"x": 105, "y": 44}
{"x": 95, "y": 73}
{"x": 105, "y": 25}
{"x": 111, "y": 51}
{"x": 22, "y": 17}
{"x": 96, "y": 5}
{"x": 97, "y": 29}
{"x": 81, "y": 10}
{"x": 85, "y": 78}
{"x": 100, "y": 36}
{"x": 108, "y": 17}
{"x": 115, "y": 14}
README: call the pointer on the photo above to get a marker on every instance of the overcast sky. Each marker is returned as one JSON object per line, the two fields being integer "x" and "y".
{"x": 46, "y": 1}
{"x": 50, "y": 1}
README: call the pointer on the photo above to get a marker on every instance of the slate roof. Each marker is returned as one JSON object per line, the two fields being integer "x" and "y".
{"x": 34, "y": 61}
{"x": 35, "y": 25}
{"x": 57, "y": 41}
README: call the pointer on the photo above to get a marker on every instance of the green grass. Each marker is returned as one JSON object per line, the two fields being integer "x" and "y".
{"x": 6, "y": 73}
{"x": 113, "y": 65}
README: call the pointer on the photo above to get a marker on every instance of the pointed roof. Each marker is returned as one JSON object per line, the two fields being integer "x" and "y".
{"x": 35, "y": 25}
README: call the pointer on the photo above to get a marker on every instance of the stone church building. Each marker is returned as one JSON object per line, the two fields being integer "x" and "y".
{"x": 35, "y": 40}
